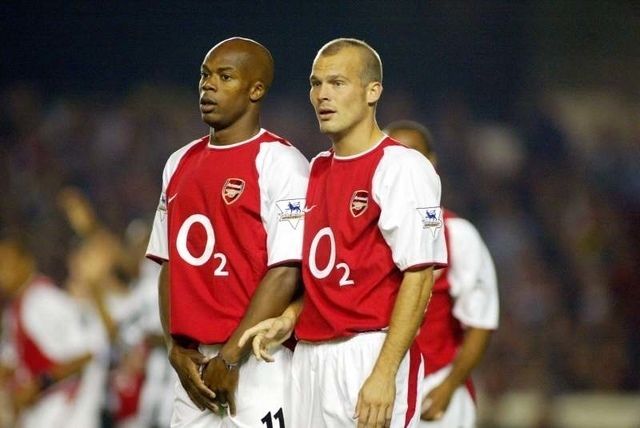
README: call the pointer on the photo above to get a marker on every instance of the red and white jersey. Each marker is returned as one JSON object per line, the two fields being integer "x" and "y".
{"x": 369, "y": 217}
{"x": 226, "y": 215}
{"x": 464, "y": 294}
{"x": 44, "y": 328}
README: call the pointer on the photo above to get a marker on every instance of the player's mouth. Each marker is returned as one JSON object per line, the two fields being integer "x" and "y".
{"x": 325, "y": 113}
{"x": 207, "y": 105}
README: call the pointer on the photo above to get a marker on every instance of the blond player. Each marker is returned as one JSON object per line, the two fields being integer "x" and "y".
{"x": 373, "y": 235}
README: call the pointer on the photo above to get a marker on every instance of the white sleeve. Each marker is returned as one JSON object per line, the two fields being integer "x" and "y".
{"x": 53, "y": 320}
{"x": 283, "y": 176}
{"x": 407, "y": 189}
{"x": 158, "y": 248}
{"x": 472, "y": 277}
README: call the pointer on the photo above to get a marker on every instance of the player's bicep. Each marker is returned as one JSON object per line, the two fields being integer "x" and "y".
{"x": 407, "y": 189}
{"x": 283, "y": 182}
{"x": 158, "y": 247}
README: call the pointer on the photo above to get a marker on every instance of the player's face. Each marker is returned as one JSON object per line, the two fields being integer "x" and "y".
{"x": 337, "y": 93}
{"x": 224, "y": 87}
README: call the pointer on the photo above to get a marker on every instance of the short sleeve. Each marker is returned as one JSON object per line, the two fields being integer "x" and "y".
{"x": 407, "y": 189}
{"x": 472, "y": 277}
{"x": 158, "y": 248}
{"x": 283, "y": 177}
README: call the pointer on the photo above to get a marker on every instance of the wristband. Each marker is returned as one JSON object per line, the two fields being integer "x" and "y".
{"x": 228, "y": 365}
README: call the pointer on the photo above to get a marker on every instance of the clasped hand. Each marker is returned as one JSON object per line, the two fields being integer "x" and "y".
{"x": 211, "y": 388}
{"x": 222, "y": 380}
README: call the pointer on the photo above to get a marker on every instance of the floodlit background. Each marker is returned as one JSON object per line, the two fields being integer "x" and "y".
{"x": 535, "y": 106}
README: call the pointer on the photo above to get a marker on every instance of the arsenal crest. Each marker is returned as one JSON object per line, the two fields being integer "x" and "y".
{"x": 359, "y": 202}
{"x": 232, "y": 190}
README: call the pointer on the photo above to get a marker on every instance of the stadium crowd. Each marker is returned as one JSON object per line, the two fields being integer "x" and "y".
{"x": 555, "y": 194}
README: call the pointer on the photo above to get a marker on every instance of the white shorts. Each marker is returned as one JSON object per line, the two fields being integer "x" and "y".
{"x": 327, "y": 376}
{"x": 260, "y": 397}
{"x": 461, "y": 412}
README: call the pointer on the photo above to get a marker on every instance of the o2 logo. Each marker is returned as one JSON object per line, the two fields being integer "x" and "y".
{"x": 329, "y": 265}
{"x": 199, "y": 260}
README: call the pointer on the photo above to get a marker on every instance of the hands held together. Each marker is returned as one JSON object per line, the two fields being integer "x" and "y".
{"x": 210, "y": 383}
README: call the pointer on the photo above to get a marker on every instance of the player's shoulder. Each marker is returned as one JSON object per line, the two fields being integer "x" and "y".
{"x": 398, "y": 159}
{"x": 321, "y": 157}
{"x": 276, "y": 150}
{"x": 267, "y": 136}
{"x": 44, "y": 294}
{"x": 176, "y": 156}
{"x": 397, "y": 153}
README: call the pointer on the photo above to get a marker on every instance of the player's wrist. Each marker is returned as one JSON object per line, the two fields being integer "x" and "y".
{"x": 230, "y": 357}
{"x": 385, "y": 370}
{"x": 229, "y": 365}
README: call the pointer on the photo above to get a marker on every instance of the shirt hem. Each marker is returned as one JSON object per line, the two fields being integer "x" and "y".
{"x": 157, "y": 259}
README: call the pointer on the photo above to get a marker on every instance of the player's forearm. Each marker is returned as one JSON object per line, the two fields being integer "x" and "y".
{"x": 406, "y": 318}
{"x": 271, "y": 299}
{"x": 469, "y": 355}
{"x": 62, "y": 371}
{"x": 99, "y": 300}
{"x": 163, "y": 301}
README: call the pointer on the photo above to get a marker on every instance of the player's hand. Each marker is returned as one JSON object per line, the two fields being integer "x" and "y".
{"x": 436, "y": 402}
{"x": 267, "y": 335}
{"x": 186, "y": 363}
{"x": 375, "y": 401}
{"x": 223, "y": 381}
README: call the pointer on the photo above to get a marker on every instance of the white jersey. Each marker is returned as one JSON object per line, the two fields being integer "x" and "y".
{"x": 47, "y": 321}
{"x": 468, "y": 292}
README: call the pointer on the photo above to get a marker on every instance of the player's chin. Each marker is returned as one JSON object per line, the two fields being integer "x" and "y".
{"x": 211, "y": 119}
{"x": 326, "y": 128}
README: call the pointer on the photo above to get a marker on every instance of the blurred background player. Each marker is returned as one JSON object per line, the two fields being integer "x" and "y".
{"x": 47, "y": 347}
{"x": 228, "y": 233}
{"x": 462, "y": 312}
{"x": 116, "y": 287}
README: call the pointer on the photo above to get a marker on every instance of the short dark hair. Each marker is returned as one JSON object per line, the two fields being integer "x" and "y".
{"x": 372, "y": 70}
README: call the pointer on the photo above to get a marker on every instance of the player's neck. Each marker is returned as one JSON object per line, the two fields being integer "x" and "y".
{"x": 242, "y": 130}
{"x": 358, "y": 139}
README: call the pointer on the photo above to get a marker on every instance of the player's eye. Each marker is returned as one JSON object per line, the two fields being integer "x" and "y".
{"x": 225, "y": 77}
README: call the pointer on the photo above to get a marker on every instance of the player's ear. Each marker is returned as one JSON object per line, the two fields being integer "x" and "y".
{"x": 374, "y": 91}
{"x": 257, "y": 91}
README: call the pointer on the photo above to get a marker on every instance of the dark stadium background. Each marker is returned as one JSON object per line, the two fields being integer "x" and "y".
{"x": 535, "y": 106}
